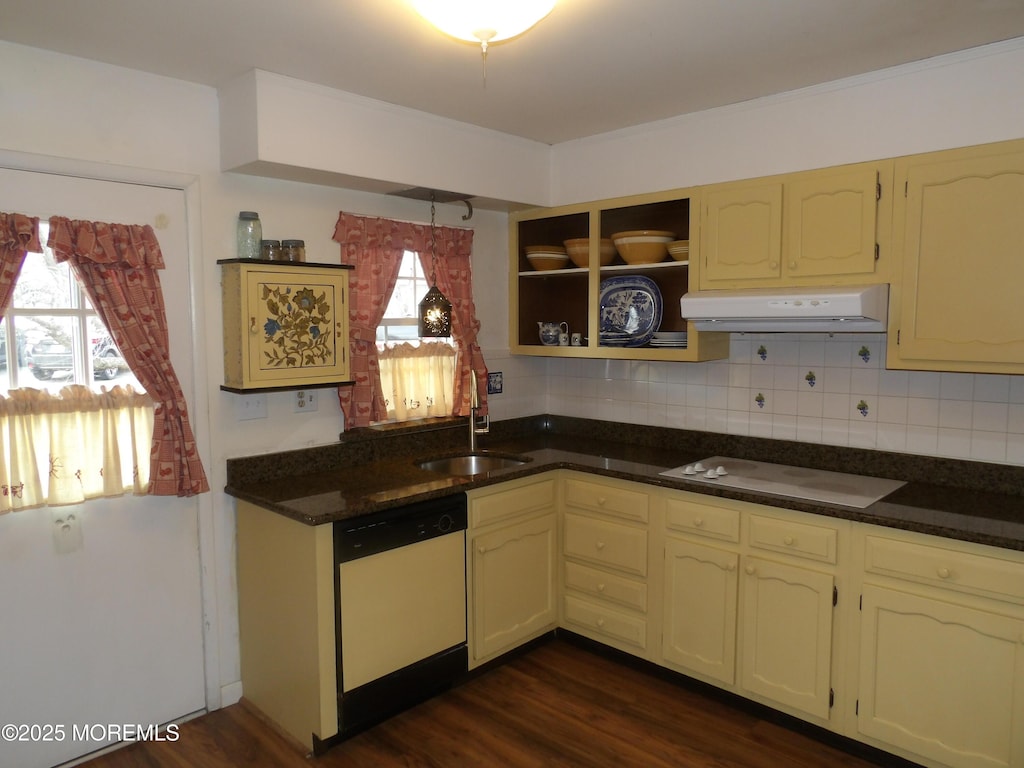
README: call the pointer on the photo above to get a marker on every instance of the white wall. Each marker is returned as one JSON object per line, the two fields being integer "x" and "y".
{"x": 972, "y": 97}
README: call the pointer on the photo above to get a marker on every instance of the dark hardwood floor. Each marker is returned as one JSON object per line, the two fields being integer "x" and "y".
{"x": 557, "y": 705}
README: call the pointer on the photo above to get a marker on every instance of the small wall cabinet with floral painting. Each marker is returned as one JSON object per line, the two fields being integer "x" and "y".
{"x": 285, "y": 325}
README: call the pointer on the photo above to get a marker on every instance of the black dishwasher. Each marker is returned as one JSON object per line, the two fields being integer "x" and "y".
{"x": 401, "y": 608}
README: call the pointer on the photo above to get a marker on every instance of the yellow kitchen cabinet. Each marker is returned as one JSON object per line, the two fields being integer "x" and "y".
{"x": 701, "y": 603}
{"x": 823, "y": 227}
{"x": 701, "y": 587}
{"x": 789, "y": 591}
{"x": 941, "y": 675}
{"x": 786, "y": 645}
{"x": 511, "y": 558}
{"x": 959, "y": 235}
{"x": 286, "y": 622}
{"x": 285, "y": 325}
{"x": 573, "y": 295}
{"x": 605, "y": 562}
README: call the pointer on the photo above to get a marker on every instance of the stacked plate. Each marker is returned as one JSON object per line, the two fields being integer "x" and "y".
{"x": 676, "y": 339}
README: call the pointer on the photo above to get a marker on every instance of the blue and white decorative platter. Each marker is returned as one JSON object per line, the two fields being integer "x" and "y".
{"x": 631, "y": 307}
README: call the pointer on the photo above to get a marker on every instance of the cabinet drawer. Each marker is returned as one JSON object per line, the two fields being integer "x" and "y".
{"x": 703, "y": 520}
{"x": 630, "y": 630}
{"x": 813, "y": 542}
{"x": 961, "y": 571}
{"x": 606, "y": 586}
{"x": 631, "y": 505}
{"x": 606, "y": 543}
{"x": 534, "y": 497}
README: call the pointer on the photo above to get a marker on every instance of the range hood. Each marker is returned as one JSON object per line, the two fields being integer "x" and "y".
{"x": 843, "y": 309}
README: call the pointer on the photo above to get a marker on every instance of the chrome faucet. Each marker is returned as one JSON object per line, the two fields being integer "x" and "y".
{"x": 476, "y": 427}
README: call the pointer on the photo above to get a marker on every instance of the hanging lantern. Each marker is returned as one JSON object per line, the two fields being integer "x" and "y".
{"x": 435, "y": 315}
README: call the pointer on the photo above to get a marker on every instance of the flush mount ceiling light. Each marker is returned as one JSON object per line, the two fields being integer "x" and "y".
{"x": 483, "y": 21}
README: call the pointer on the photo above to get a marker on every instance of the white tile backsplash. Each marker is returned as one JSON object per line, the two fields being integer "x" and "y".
{"x": 854, "y": 400}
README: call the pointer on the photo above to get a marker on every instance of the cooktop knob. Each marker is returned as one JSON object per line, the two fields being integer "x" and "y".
{"x": 689, "y": 470}
{"x": 698, "y": 467}
{"x": 711, "y": 474}
{"x": 721, "y": 470}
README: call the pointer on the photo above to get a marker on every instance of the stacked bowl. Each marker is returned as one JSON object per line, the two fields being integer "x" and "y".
{"x": 546, "y": 257}
{"x": 578, "y": 249}
{"x": 643, "y": 246}
{"x": 679, "y": 250}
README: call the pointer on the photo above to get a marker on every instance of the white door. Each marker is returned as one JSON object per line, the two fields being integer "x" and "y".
{"x": 109, "y": 634}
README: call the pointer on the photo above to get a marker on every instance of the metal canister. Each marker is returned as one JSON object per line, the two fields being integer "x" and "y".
{"x": 293, "y": 250}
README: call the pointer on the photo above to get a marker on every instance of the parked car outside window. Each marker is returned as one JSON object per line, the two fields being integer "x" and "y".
{"x": 50, "y": 356}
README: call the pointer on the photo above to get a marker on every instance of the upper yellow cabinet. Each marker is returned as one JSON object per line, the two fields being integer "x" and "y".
{"x": 601, "y": 304}
{"x": 819, "y": 227}
{"x": 285, "y": 325}
{"x": 959, "y": 229}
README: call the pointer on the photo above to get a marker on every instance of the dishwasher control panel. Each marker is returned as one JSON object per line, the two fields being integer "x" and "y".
{"x": 398, "y": 527}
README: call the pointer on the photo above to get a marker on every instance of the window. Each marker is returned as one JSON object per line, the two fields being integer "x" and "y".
{"x": 417, "y": 376}
{"x": 51, "y": 336}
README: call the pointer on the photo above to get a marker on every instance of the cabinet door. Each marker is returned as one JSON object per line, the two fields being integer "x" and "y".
{"x": 831, "y": 224}
{"x": 284, "y": 325}
{"x": 514, "y": 593}
{"x": 961, "y": 233}
{"x": 741, "y": 235}
{"x": 787, "y": 635}
{"x": 699, "y": 632}
{"x": 942, "y": 680}
{"x": 295, "y": 325}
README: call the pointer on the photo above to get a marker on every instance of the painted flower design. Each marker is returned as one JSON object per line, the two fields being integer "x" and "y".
{"x": 811, "y": 379}
{"x": 759, "y": 400}
{"x": 862, "y": 406}
{"x": 294, "y": 338}
{"x": 762, "y": 352}
{"x": 864, "y": 353}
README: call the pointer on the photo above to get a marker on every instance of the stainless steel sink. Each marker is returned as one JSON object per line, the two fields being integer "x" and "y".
{"x": 471, "y": 463}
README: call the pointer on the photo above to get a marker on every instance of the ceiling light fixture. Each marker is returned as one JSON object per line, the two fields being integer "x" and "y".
{"x": 483, "y": 21}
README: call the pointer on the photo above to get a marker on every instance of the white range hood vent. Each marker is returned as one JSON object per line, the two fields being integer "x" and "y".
{"x": 842, "y": 309}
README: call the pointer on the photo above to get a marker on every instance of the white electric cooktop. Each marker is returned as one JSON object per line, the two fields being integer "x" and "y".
{"x": 849, "y": 490}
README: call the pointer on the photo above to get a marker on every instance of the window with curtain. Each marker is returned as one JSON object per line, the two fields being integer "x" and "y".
{"x": 76, "y": 419}
{"x": 417, "y": 375}
{"x": 377, "y": 248}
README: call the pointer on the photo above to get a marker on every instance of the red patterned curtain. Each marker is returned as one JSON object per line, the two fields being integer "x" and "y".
{"x": 455, "y": 280}
{"x": 118, "y": 265}
{"x": 374, "y": 246}
{"x": 19, "y": 234}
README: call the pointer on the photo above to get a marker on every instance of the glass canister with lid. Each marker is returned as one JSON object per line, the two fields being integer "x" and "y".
{"x": 293, "y": 250}
{"x": 270, "y": 249}
{"x": 249, "y": 235}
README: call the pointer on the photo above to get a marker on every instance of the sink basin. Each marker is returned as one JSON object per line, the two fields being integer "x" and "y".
{"x": 470, "y": 463}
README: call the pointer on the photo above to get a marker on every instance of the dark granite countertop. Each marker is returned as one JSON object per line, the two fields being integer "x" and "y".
{"x": 373, "y": 470}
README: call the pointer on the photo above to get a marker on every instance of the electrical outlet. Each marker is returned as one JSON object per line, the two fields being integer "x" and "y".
{"x": 67, "y": 532}
{"x": 305, "y": 400}
{"x": 252, "y": 406}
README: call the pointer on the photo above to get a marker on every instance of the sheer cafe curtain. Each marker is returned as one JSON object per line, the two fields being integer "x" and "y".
{"x": 374, "y": 247}
{"x": 423, "y": 374}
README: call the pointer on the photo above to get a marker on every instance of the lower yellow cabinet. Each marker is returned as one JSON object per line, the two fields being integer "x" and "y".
{"x": 699, "y": 629}
{"x": 511, "y": 566}
{"x": 285, "y": 325}
{"x": 941, "y": 672}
